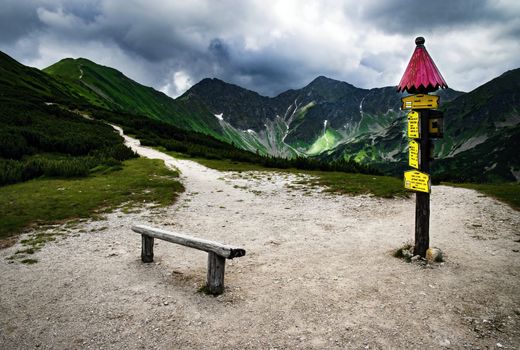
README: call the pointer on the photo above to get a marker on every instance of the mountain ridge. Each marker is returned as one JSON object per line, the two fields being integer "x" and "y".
{"x": 331, "y": 120}
{"x": 296, "y": 121}
{"x": 109, "y": 88}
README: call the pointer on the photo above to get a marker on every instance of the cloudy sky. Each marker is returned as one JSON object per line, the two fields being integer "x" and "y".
{"x": 266, "y": 45}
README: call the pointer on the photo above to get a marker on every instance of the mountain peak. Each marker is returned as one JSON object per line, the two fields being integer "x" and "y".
{"x": 220, "y": 87}
{"x": 71, "y": 60}
{"x": 214, "y": 81}
{"x": 323, "y": 79}
{"x": 322, "y": 82}
{"x": 71, "y": 66}
{"x": 330, "y": 89}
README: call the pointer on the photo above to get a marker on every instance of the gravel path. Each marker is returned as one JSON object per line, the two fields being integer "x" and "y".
{"x": 318, "y": 273}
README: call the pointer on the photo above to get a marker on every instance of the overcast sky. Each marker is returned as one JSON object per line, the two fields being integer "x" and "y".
{"x": 267, "y": 46}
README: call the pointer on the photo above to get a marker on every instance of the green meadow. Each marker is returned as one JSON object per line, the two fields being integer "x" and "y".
{"x": 46, "y": 200}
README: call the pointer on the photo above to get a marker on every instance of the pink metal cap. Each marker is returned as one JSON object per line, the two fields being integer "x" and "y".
{"x": 421, "y": 75}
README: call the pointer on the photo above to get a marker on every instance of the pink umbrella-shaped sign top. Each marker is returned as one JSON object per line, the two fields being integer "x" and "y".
{"x": 421, "y": 75}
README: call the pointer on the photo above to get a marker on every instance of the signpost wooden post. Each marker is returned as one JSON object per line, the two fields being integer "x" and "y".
{"x": 420, "y": 78}
{"x": 422, "y": 204}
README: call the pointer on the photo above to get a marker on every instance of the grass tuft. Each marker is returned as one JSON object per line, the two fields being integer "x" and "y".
{"x": 405, "y": 252}
{"x": 29, "y": 261}
{"x": 26, "y": 251}
{"x": 356, "y": 184}
{"x": 205, "y": 290}
{"x": 45, "y": 201}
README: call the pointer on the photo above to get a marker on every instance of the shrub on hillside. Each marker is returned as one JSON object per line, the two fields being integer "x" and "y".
{"x": 39, "y": 140}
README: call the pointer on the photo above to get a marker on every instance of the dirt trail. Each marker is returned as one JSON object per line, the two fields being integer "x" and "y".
{"x": 318, "y": 274}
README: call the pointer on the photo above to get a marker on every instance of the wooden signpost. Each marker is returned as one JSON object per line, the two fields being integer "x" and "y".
{"x": 424, "y": 123}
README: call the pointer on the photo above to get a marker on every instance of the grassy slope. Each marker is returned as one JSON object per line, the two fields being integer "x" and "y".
{"x": 23, "y": 91}
{"x": 327, "y": 141}
{"x": 357, "y": 184}
{"x": 108, "y": 88}
{"x": 49, "y": 200}
{"x": 18, "y": 82}
{"x": 38, "y": 137}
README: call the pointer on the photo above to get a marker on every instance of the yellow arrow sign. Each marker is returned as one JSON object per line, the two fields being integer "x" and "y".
{"x": 413, "y": 125}
{"x": 413, "y": 154}
{"x": 420, "y": 102}
{"x": 417, "y": 181}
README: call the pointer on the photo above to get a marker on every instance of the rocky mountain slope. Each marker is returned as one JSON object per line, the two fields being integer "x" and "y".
{"x": 483, "y": 132}
{"x": 327, "y": 119}
{"x": 331, "y": 120}
{"x": 310, "y": 121}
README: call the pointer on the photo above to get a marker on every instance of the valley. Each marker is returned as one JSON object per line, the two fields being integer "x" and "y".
{"x": 331, "y": 120}
{"x": 327, "y": 119}
{"x": 294, "y": 178}
{"x": 302, "y": 175}
{"x": 318, "y": 273}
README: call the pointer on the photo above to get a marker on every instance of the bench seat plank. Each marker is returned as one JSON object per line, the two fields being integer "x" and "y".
{"x": 222, "y": 250}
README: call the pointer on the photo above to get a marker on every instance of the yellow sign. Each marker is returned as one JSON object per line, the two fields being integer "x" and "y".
{"x": 420, "y": 102}
{"x": 417, "y": 181}
{"x": 413, "y": 154}
{"x": 413, "y": 125}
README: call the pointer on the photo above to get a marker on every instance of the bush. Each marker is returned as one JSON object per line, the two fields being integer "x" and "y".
{"x": 13, "y": 171}
{"x": 12, "y": 145}
{"x": 38, "y": 140}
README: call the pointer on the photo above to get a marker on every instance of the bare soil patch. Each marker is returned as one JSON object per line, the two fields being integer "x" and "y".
{"x": 318, "y": 274}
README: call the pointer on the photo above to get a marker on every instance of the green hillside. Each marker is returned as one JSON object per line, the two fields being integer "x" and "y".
{"x": 108, "y": 88}
{"x": 328, "y": 120}
{"x": 39, "y": 138}
{"x": 51, "y": 130}
{"x": 332, "y": 120}
{"x": 55, "y": 164}
{"x": 26, "y": 84}
{"x": 482, "y": 130}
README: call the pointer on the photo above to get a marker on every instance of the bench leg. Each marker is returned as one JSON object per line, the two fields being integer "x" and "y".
{"x": 147, "y": 249}
{"x": 216, "y": 267}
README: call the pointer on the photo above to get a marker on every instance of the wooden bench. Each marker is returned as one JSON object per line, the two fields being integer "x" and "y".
{"x": 217, "y": 252}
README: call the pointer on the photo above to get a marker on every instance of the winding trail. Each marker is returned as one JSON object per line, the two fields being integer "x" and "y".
{"x": 318, "y": 273}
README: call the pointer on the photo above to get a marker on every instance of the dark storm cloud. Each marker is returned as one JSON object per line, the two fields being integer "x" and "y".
{"x": 264, "y": 46}
{"x": 163, "y": 38}
{"x": 266, "y": 72}
{"x": 219, "y": 50}
{"x": 20, "y": 18}
{"x": 88, "y": 11}
{"x": 17, "y": 19}
{"x": 405, "y": 16}
{"x": 377, "y": 62}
